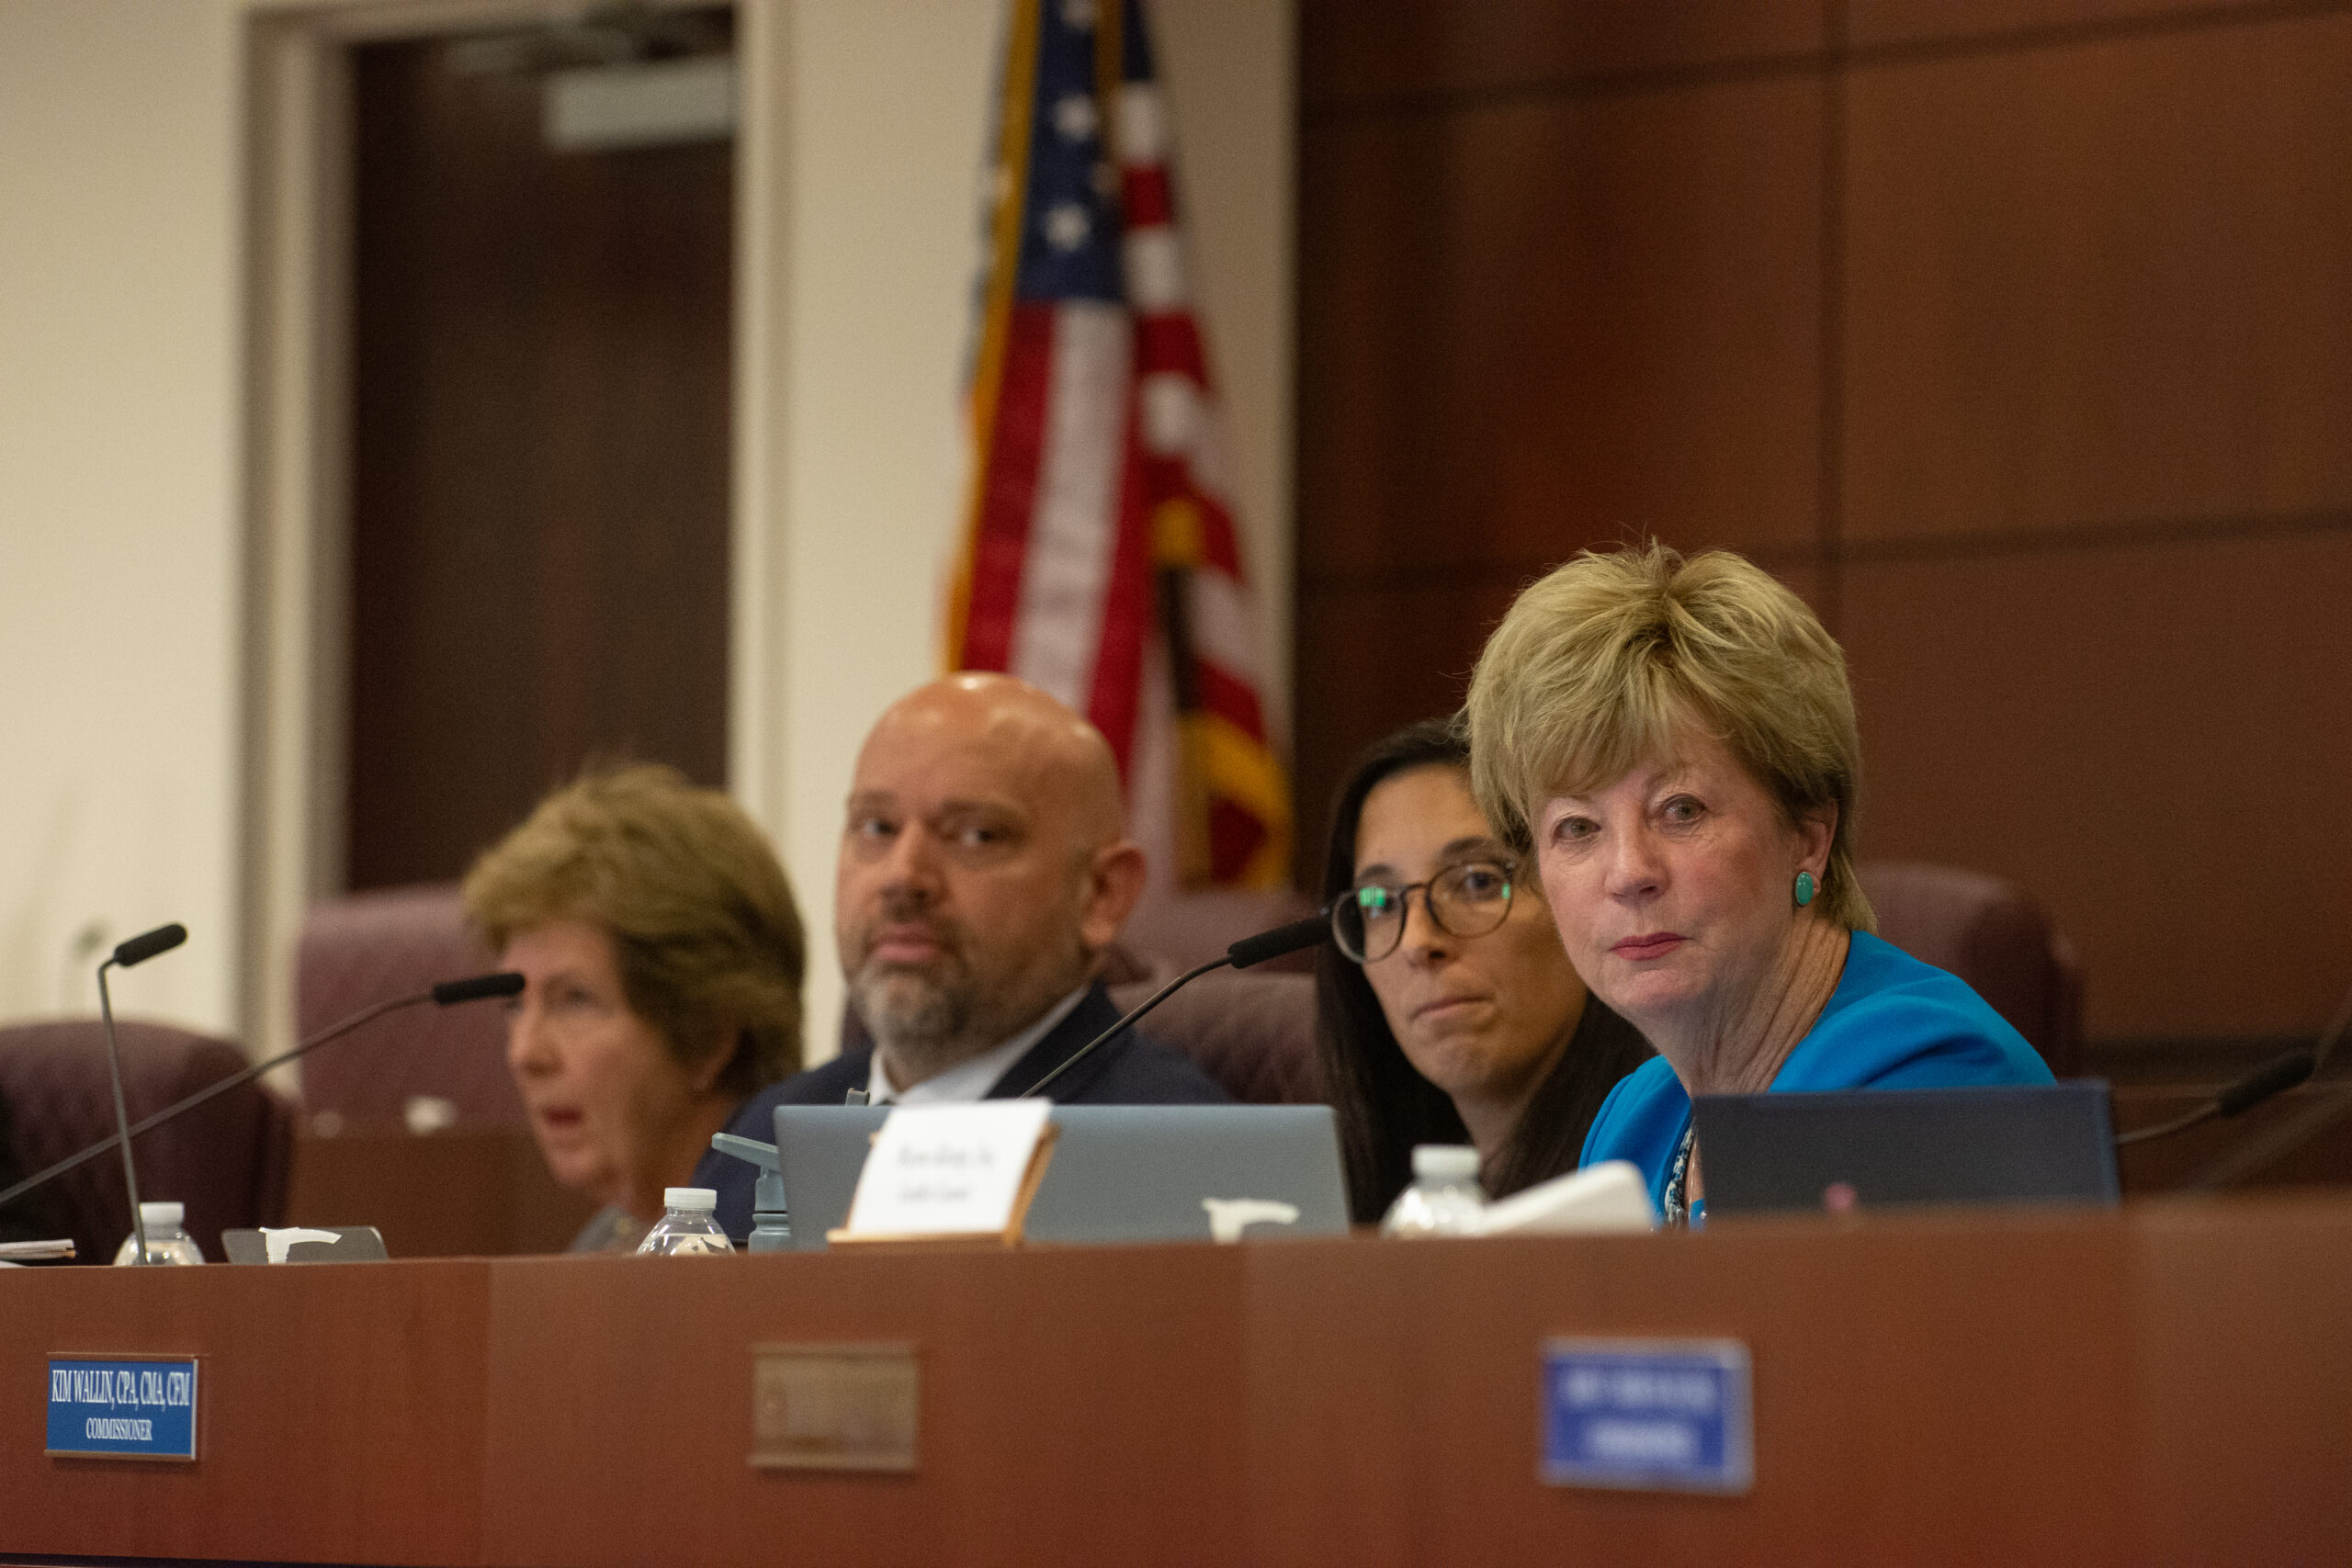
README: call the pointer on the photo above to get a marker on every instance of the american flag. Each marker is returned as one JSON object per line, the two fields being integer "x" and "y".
{"x": 1100, "y": 560}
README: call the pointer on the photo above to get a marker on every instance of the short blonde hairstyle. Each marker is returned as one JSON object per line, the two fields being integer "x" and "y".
{"x": 1598, "y": 666}
{"x": 700, "y": 914}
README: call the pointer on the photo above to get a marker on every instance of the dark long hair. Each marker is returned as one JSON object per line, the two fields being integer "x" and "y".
{"x": 1386, "y": 1106}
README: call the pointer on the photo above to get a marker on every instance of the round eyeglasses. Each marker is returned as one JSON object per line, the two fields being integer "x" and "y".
{"x": 1468, "y": 899}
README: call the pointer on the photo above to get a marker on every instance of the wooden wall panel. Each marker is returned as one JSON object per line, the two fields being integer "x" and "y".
{"x": 306, "y": 1368}
{"x": 1356, "y": 49}
{"x": 2153, "y": 737}
{"x": 1534, "y": 328}
{"x": 1439, "y": 1442}
{"x": 584, "y": 1412}
{"x": 2015, "y": 335}
{"x": 1546, "y": 325}
{"x": 2221, "y": 1287}
{"x": 1380, "y": 655}
{"x": 2101, "y": 284}
{"x": 2010, "y": 23}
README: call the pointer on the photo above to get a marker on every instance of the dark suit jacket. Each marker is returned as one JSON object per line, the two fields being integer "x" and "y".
{"x": 1130, "y": 1070}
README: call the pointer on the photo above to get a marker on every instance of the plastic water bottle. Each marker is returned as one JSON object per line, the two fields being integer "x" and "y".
{"x": 167, "y": 1242}
{"x": 688, "y": 1227}
{"x": 1444, "y": 1198}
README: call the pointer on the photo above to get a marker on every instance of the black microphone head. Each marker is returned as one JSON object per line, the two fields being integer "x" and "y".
{"x": 1281, "y": 940}
{"x": 146, "y": 944}
{"x": 2274, "y": 1077}
{"x": 506, "y": 982}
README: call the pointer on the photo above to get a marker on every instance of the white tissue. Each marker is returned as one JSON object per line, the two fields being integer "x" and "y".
{"x": 1610, "y": 1196}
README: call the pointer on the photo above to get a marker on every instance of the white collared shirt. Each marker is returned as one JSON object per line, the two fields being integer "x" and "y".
{"x": 967, "y": 1083}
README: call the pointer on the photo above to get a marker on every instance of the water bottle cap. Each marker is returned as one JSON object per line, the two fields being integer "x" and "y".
{"x": 697, "y": 1198}
{"x": 162, "y": 1214}
{"x": 1439, "y": 1162}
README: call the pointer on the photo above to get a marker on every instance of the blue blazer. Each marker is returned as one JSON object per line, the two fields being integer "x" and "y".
{"x": 1893, "y": 1022}
{"x": 1130, "y": 1070}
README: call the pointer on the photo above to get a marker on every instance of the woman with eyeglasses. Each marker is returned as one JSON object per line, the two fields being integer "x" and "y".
{"x": 1448, "y": 1012}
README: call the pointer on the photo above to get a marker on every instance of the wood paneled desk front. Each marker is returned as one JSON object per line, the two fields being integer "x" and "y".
{"x": 2166, "y": 1384}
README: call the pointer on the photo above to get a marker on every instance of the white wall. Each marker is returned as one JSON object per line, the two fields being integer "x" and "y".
{"x": 881, "y": 151}
{"x": 122, "y": 604}
{"x": 119, "y": 539}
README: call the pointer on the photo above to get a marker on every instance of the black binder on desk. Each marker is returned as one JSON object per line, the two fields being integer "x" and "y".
{"x": 1776, "y": 1152}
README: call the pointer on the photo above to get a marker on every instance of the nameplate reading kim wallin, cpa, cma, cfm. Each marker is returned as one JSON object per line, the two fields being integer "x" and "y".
{"x": 122, "y": 1407}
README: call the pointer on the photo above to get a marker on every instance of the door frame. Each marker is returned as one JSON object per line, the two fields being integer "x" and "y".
{"x": 297, "y": 157}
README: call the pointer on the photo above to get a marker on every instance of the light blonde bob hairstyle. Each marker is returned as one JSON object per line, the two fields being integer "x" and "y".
{"x": 1601, "y": 665}
{"x": 700, "y": 915}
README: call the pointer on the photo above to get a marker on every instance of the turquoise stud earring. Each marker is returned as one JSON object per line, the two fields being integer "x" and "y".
{"x": 1806, "y": 888}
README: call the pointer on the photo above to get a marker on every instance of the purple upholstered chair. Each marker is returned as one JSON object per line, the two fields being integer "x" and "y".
{"x": 364, "y": 947}
{"x": 226, "y": 1160}
{"x": 1252, "y": 1031}
{"x": 1992, "y": 934}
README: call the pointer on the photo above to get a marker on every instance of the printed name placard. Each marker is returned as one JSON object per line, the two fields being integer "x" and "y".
{"x": 943, "y": 1171}
{"x": 127, "y": 1408}
{"x": 1664, "y": 1414}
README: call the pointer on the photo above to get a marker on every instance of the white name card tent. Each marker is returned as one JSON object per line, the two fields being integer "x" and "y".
{"x": 951, "y": 1173}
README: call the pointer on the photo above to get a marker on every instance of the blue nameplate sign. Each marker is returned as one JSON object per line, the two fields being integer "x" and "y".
{"x": 1671, "y": 1415}
{"x": 141, "y": 1407}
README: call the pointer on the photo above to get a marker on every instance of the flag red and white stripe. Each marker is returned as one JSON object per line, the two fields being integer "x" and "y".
{"x": 1101, "y": 560}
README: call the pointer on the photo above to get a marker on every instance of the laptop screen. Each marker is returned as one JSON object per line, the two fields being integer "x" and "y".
{"x": 1119, "y": 1173}
{"x": 1767, "y": 1152}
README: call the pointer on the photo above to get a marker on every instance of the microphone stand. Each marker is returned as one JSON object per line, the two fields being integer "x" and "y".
{"x": 2291, "y": 1134}
{"x": 138, "y": 950}
{"x": 1157, "y": 996}
{"x": 1249, "y": 950}
{"x": 2274, "y": 1077}
{"x": 447, "y": 994}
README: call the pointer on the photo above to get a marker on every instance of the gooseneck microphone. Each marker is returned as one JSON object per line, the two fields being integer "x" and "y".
{"x": 146, "y": 945}
{"x": 138, "y": 950}
{"x": 2325, "y": 1110}
{"x": 2276, "y": 1075}
{"x": 1249, "y": 950}
{"x": 449, "y": 993}
{"x": 1283, "y": 939}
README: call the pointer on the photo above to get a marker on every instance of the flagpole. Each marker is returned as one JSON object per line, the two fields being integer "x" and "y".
{"x": 1014, "y": 111}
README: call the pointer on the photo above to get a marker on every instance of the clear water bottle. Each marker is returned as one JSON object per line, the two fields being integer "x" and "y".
{"x": 167, "y": 1240}
{"x": 1444, "y": 1198}
{"x": 688, "y": 1227}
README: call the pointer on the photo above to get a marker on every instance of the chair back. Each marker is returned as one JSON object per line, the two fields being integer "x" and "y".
{"x": 1252, "y": 1031}
{"x": 226, "y": 1160}
{"x": 367, "y": 947}
{"x": 1992, "y": 934}
{"x": 1177, "y": 931}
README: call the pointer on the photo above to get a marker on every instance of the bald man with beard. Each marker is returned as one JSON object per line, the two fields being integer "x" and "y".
{"x": 983, "y": 871}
